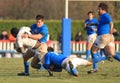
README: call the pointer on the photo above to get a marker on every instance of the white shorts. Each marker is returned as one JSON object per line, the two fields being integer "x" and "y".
{"x": 104, "y": 40}
{"x": 91, "y": 38}
{"x": 75, "y": 61}
{"x": 79, "y": 62}
{"x": 39, "y": 55}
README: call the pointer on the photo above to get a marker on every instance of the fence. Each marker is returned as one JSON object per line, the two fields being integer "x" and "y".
{"x": 6, "y": 48}
{"x": 76, "y": 47}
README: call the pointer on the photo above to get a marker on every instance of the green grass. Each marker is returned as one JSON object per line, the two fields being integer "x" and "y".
{"x": 109, "y": 72}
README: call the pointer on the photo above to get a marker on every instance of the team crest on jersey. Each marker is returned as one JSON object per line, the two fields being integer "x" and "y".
{"x": 36, "y": 31}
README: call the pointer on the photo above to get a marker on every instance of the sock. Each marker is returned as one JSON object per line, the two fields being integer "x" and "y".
{"x": 101, "y": 55}
{"x": 40, "y": 66}
{"x": 26, "y": 67}
{"x": 75, "y": 72}
{"x": 117, "y": 57}
{"x": 96, "y": 58}
{"x": 95, "y": 66}
{"x": 88, "y": 53}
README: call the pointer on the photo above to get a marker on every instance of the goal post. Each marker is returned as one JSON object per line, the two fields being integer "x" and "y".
{"x": 66, "y": 32}
{"x": 66, "y": 28}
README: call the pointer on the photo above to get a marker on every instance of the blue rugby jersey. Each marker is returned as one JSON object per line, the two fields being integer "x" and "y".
{"x": 43, "y": 30}
{"x": 104, "y": 24}
{"x": 91, "y": 24}
{"x": 53, "y": 58}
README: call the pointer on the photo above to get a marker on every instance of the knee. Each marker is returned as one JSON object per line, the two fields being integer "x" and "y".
{"x": 25, "y": 58}
{"x": 94, "y": 49}
{"x": 33, "y": 65}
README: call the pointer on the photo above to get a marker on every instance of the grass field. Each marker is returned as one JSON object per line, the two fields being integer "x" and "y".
{"x": 109, "y": 72}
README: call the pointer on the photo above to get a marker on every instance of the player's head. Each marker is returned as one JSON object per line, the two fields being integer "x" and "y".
{"x": 39, "y": 17}
{"x": 90, "y": 14}
{"x": 14, "y": 31}
{"x": 39, "y": 20}
{"x": 102, "y": 8}
{"x": 50, "y": 49}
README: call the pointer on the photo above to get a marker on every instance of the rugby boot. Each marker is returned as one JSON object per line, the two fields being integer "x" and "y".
{"x": 92, "y": 71}
{"x": 23, "y": 74}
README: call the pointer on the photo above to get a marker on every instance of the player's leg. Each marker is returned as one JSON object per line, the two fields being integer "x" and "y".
{"x": 29, "y": 53}
{"x": 80, "y": 62}
{"x": 75, "y": 62}
{"x": 111, "y": 50}
{"x": 90, "y": 41}
{"x": 100, "y": 42}
{"x": 69, "y": 67}
{"x": 88, "y": 52}
{"x": 107, "y": 53}
{"x": 36, "y": 65}
{"x": 95, "y": 56}
{"x": 100, "y": 54}
{"x": 72, "y": 70}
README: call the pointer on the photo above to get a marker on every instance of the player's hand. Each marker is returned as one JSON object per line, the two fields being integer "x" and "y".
{"x": 51, "y": 67}
{"x": 94, "y": 29}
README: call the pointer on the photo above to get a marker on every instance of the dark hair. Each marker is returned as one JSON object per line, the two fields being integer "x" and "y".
{"x": 3, "y": 30}
{"x": 50, "y": 49}
{"x": 90, "y": 12}
{"x": 103, "y": 6}
{"x": 14, "y": 31}
{"x": 39, "y": 17}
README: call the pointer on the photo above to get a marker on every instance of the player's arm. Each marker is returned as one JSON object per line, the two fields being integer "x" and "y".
{"x": 85, "y": 26}
{"x": 52, "y": 68}
{"x": 20, "y": 50}
{"x": 111, "y": 27}
{"x": 46, "y": 66}
{"x": 36, "y": 36}
{"x": 47, "y": 61}
{"x": 55, "y": 68}
{"x": 19, "y": 46}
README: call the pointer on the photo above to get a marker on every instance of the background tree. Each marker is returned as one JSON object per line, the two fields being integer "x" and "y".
{"x": 53, "y": 9}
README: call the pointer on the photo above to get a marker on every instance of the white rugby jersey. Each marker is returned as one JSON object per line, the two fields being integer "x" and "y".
{"x": 27, "y": 42}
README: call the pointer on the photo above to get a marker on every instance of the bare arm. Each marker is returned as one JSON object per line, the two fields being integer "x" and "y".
{"x": 85, "y": 26}
{"x": 22, "y": 50}
{"x": 111, "y": 27}
{"x": 36, "y": 36}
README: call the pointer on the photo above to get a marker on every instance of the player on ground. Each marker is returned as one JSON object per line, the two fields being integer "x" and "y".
{"x": 60, "y": 61}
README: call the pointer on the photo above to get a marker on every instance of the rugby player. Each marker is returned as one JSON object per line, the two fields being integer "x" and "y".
{"x": 39, "y": 32}
{"x": 91, "y": 27}
{"x": 105, "y": 38}
{"x": 60, "y": 61}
